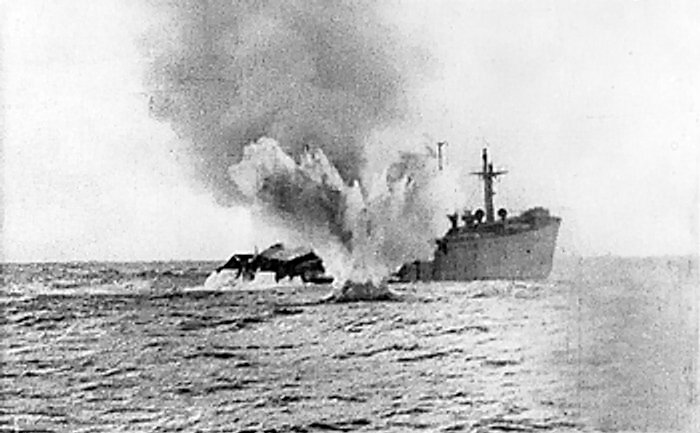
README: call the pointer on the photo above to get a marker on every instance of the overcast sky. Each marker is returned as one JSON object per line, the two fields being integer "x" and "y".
{"x": 593, "y": 107}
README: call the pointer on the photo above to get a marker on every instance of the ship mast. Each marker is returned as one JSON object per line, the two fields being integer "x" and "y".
{"x": 488, "y": 175}
{"x": 440, "y": 144}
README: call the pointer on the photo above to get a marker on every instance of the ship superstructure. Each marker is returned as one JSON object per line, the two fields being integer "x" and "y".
{"x": 481, "y": 246}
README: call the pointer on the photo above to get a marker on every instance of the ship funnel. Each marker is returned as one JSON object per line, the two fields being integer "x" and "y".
{"x": 468, "y": 218}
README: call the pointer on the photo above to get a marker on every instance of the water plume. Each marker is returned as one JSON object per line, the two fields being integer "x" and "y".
{"x": 277, "y": 102}
{"x": 363, "y": 231}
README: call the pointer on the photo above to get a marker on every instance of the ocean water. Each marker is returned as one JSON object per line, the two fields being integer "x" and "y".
{"x": 605, "y": 344}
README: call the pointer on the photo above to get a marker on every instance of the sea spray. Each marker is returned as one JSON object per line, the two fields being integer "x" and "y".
{"x": 363, "y": 275}
{"x": 306, "y": 197}
{"x": 363, "y": 232}
{"x": 320, "y": 78}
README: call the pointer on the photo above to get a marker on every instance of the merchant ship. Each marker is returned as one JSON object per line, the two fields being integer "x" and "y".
{"x": 488, "y": 246}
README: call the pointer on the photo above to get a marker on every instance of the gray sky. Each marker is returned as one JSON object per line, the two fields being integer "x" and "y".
{"x": 593, "y": 106}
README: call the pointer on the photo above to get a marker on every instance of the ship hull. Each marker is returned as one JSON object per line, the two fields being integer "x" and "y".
{"x": 525, "y": 255}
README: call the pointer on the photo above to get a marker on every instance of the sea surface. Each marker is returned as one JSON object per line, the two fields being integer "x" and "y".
{"x": 606, "y": 344}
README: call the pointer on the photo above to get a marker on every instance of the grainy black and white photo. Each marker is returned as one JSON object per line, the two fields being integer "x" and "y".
{"x": 350, "y": 215}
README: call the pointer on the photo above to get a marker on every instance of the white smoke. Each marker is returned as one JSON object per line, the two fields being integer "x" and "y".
{"x": 376, "y": 226}
{"x": 261, "y": 160}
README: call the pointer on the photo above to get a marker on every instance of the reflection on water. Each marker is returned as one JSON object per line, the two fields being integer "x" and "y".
{"x": 604, "y": 346}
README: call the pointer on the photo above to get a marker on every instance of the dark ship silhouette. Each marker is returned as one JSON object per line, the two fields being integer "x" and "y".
{"x": 483, "y": 248}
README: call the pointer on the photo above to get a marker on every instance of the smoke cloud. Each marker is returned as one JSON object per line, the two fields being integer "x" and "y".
{"x": 278, "y": 102}
{"x": 304, "y": 72}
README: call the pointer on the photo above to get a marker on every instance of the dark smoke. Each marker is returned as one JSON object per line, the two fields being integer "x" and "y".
{"x": 323, "y": 73}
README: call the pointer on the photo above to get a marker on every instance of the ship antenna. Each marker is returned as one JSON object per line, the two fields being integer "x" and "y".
{"x": 440, "y": 144}
{"x": 488, "y": 175}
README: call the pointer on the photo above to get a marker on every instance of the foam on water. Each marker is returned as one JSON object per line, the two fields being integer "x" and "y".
{"x": 352, "y": 291}
{"x": 229, "y": 280}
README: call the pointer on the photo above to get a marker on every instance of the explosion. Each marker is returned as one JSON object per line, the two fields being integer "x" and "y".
{"x": 277, "y": 101}
{"x": 368, "y": 230}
